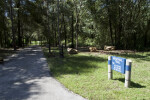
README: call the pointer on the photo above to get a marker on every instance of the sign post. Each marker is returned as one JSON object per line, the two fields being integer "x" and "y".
{"x": 120, "y": 65}
{"x": 128, "y": 73}
{"x": 109, "y": 68}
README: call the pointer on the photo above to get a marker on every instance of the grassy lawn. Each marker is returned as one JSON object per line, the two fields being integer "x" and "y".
{"x": 35, "y": 43}
{"x": 86, "y": 75}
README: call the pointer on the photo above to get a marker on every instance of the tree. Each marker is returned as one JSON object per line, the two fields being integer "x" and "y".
{"x": 12, "y": 24}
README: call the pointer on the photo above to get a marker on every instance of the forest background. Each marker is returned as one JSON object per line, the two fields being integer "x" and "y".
{"x": 121, "y": 23}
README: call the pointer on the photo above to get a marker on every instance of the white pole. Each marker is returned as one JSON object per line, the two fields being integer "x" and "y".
{"x": 128, "y": 73}
{"x": 109, "y": 68}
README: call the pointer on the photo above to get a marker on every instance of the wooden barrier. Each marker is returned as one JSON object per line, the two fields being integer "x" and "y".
{"x": 92, "y": 49}
{"x": 107, "y": 48}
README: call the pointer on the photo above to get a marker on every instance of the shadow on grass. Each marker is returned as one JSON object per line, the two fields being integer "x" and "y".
{"x": 133, "y": 85}
{"x": 148, "y": 54}
{"x": 74, "y": 64}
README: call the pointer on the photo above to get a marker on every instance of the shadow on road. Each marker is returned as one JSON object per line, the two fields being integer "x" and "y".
{"x": 20, "y": 75}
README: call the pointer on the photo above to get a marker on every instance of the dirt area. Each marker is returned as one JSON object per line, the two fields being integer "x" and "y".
{"x": 117, "y": 52}
{"x": 85, "y": 49}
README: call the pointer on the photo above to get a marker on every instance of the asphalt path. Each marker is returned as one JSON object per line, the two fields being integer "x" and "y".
{"x": 26, "y": 76}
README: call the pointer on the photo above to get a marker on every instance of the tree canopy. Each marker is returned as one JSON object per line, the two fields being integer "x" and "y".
{"x": 121, "y": 23}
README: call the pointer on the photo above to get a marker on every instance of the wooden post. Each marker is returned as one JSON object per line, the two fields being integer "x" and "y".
{"x": 128, "y": 73}
{"x": 109, "y": 68}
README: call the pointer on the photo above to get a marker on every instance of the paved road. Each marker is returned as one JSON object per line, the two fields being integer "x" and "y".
{"x": 26, "y": 76}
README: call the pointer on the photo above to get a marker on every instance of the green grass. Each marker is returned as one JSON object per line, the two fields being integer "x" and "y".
{"x": 35, "y": 43}
{"x": 86, "y": 75}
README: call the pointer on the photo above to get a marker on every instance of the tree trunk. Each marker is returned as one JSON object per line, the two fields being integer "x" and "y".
{"x": 48, "y": 29}
{"x": 115, "y": 37}
{"x": 134, "y": 38}
{"x": 65, "y": 31}
{"x": 49, "y": 46}
{"x": 22, "y": 35}
{"x": 55, "y": 38}
{"x": 119, "y": 27}
{"x": 19, "y": 31}
{"x": 59, "y": 38}
{"x": 12, "y": 26}
{"x": 77, "y": 27}
{"x": 146, "y": 33}
{"x": 111, "y": 32}
{"x": 5, "y": 35}
{"x": 61, "y": 27}
{"x": 4, "y": 21}
{"x": 110, "y": 23}
{"x": 72, "y": 31}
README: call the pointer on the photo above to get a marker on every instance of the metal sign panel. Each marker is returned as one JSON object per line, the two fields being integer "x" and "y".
{"x": 118, "y": 64}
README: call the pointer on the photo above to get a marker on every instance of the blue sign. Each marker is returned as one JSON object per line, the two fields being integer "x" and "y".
{"x": 118, "y": 64}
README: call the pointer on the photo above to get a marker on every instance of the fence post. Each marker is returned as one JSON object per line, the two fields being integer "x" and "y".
{"x": 128, "y": 73}
{"x": 109, "y": 68}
